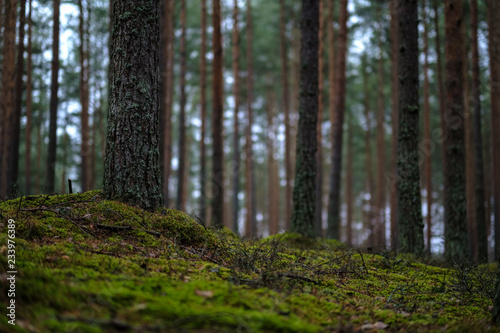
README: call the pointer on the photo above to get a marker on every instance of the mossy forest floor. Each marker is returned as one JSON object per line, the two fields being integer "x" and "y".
{"x": 90, "y": 265}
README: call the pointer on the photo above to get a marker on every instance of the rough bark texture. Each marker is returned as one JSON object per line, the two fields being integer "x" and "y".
{"x": 29, "y": 102}
{"x": 54, "y": 101}
{"x": 250, "y": 220}
{"x": 318, "y": 226}
{"x": 427, "y": 131}
{"x": 203, "y": 108}
{"x": 85, "y": 148}
{"x": 410, "y": 216}
{"x": 182, "y": 167}
{"x": 286, "y": 110}
{"x": 217, "y": 119}
{"x": 132, "y": 163}
{"x": 482, "y": 238}
{"x": 304, "y": 192}
{"x": 393, "y": 7}
{"x": 333, "y": 230}
{"x": 455, "y": 205}
{"x": 236, "y": 131}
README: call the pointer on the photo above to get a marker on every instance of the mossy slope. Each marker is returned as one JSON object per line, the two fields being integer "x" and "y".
{"x": 90, "y": 265}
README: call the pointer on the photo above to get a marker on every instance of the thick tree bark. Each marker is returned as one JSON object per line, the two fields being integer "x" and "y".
{"x": 29, "y": 102}
{"x": 132, "y": 163}
{"x": 333, "y": 230}
{"x": 217, "y": 119}
{"x": 427, "y": 131}
{"x": 236, "y": 134}
{"x": 455, "y": 205}
{"x": 482, "y": 238}
{"x": 203, "y": 108}
{"x": 250, "y": 221}
{"x": 318, "y": 229}
{"x": 304, "y": 191}
{"x": 410, "y": 215}
{"x": 85, "y": 148}
{"x": 182, "y": 167}
{"x": 8, "y": 93}
{"x": 393, "y": 7}
{"x": 286, "y": 109}
{"x": 54, "y": 101}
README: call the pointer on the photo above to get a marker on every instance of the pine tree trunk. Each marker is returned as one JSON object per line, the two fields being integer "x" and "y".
{"x": 349, "y": 184}
{"x": 286, "y": 109}
{"x": 38, "y": 157}
{"x": 132, "y": 163}
{"x": 236, "y": 131}
{"x": 304, "y": 192}
{"x": 271, "y": 167}
{"x": 427, "y": 131}
{"x": 8, "y": 94}
{"x": 393, "y": 6}
{"x": 29, "y": 102}
{"x": 250, "y": 221}
{"x": 455, "y": 205}
{"x": 217, "y": 119}
{"x": 54, "y": 101}
{"x": 319, "y": 154}
{"x": 84, "y": 87}
{"x": 333, "y": 230}
{"x": 482, "y": 238}
{"x": 410, "y": 215}
{"x": 181, "y": 171}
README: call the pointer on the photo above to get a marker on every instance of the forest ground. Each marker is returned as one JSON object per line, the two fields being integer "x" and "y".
{"x": 86, "y": 264}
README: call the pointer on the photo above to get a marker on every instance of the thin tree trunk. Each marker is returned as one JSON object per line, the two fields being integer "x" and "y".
{"x": 64, "y": 148}
{"x": 84, "y": 99}
{"x": 181, "y": 171}
{"x": 250, "y": 221}
{"x": 286, "y": 109}
{"x": 8, "y": 93}
{"x": 54, "y": 88}
{"x": 393, "y": 6}
{"x": 168, "y": 93}
{"x": 427, "y": 131}
{"x": 332, "y": 50}
{"x": 29, "y": 101}
{"x": 319, "y": 154}
{"x": 455, "y": 207}
{"x": 271, "y": 182}
{"x": 38, "y": 157}
{"x": 338, "y": 121}
{"x": 236, "y": 134}
{"x": 203, "y": 92}
{"x": 349, "y": 183}
{"x": 217, "y": 118}
{"x": 380, "y": 199}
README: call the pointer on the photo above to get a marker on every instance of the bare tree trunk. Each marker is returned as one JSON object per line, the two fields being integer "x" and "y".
{"x": 54, "y": 101}
{"x": 29, "y": 102}
{"x": 203, "y": 92}
{"x": 181, "y": 171}
{"x": 84, "y": 98}
{"x": 217, "y": 118}
{"x": 427, "y": 131}
{"x": 333, "y": 230}
{"x": 349, "y": 183}
{"x": 38, "y": 157}
{"x": 273, "y": 203}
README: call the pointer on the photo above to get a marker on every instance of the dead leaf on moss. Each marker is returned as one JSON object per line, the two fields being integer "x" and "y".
{"x": 204, "y": 293}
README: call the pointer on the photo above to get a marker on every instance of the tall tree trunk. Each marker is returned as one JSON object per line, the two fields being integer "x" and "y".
{"x": 8, "y": 93}
{"x": 168, "y": 94}
{"x": 427, "y": 131}
{"x": 319, "y": 154}
{"x": 381, "y": 149}
{"x": 304, "y": 191}
{"x": 286, "y": 109}
{"x": 393, "y": 6}
{"x": 203, "y": 101}
{"x": 85, "y": 147}
{"x": 455, "y": 206}
{"x": 338, "y": 121}
{"x": 482, "y": 238}
{"x": 132, "y": 163}
{"x": 332, "y": 52}
{"x": 29, "y": 102}
{"x": 38, "y": 157}
{"x": 250, "y": 221}
{"x": 54, "y": 101}
{"x": 273, "y": 201}
{"x": 217, "y": 118}
{"x": 368, "y": 148}
{"x": 181, "y": 171}
{"x": 64, "y": 158}
{"x": 349, "y": 188}
{"x": 236, "y": 134}
{"x": 410, "y": 215}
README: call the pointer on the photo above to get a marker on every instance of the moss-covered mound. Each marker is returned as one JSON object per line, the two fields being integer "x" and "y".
{"x": 90, "y": 265}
